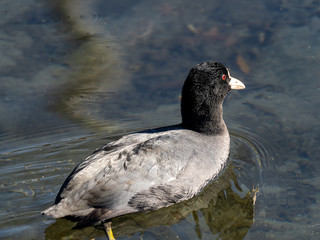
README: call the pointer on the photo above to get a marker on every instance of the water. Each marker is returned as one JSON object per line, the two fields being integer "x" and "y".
{"x": 78, "y": 74}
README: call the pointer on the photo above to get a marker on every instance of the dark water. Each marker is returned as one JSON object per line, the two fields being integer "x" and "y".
{"x": 75, "y": 75}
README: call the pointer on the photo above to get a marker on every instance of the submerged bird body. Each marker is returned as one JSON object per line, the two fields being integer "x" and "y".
{"x": 156, "y": 168}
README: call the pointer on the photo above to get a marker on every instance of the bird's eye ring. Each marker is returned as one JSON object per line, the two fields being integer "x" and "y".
{"x": 224, "y": 77}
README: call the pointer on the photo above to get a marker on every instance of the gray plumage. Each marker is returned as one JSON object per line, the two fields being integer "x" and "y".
{"x": 156, "y": 168}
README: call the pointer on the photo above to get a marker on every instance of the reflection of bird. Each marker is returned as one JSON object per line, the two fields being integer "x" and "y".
{"x": 155, "y": 168}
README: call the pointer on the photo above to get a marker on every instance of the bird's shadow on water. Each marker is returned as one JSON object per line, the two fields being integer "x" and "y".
{"x": 222, "y": 210}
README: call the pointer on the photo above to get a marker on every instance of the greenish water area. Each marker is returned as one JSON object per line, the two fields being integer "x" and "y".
{"x": 75, "y": 75}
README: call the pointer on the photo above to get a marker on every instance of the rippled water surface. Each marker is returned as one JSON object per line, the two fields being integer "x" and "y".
{"x": 78, "y": 74}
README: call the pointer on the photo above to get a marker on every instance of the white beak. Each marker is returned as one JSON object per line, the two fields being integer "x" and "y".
{"x": 236, "y": 84}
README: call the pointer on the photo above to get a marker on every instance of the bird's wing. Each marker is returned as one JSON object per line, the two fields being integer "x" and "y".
{"x": 124, "y": 171}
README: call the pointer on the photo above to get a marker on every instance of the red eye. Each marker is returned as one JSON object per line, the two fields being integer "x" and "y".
{"x": 224, "y": 77}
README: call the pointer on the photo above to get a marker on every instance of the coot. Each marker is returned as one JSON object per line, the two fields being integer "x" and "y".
{"x": 156, "y": 168}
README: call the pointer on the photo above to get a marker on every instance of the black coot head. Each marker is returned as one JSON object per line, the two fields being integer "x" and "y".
{"x": 203, "y": 92}
{"x": 210, "y": 79}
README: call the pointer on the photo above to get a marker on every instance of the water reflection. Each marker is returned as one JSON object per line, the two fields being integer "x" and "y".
{"x": 93, "y": 68}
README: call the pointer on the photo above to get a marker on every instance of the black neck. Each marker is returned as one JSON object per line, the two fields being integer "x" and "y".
{"x": 208, "y": 122}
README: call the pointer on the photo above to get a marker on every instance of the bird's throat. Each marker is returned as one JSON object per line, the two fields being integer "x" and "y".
{"x": 210, "y": 122}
